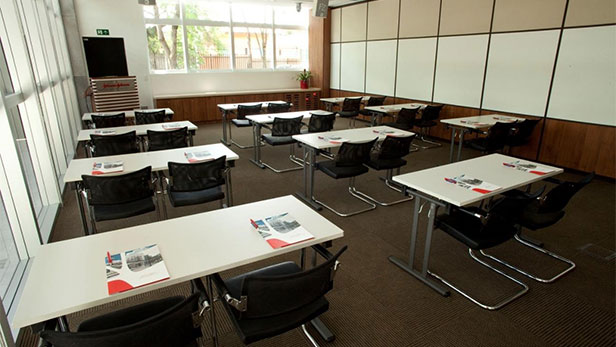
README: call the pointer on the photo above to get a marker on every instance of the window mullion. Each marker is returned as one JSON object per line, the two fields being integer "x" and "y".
{"x": 184, "y": 38}
{"x": 232, "y": 38}
{"x": 273, "y": 39}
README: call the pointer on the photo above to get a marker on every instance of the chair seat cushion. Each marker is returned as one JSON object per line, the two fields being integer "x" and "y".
{"x": 470, "y": 231}
{"x": 125, "y": 210}
{"x": 398, "y": 126}
{"x": 533, "y": 219}
{"x": 425, "y": 123}
{"x": 278, "y": 140}
{"x": 251, "y": 330}
{"x": 330, "y": 169}
{"x": 348, "y": 114}
{"x": 241, "y": 122}
{"x": 386, "y": 164}
{"x": 195, "y": 197}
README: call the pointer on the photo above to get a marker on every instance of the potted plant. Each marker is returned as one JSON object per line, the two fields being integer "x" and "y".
{"x": 303, "y": 78}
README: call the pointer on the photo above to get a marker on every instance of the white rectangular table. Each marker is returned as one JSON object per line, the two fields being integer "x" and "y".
{"x": 69, "y": 276}
{"x": 430, "y": 185}
{"x": 331, "y": 102}
{"x": 316, "y": 142}
{"x": 227, "y": 109}
{"x": 377, "y": 112}
{"x": 87, "y": 117}
{"x": 132, "y": 162}
{"x": 470, "y": 124}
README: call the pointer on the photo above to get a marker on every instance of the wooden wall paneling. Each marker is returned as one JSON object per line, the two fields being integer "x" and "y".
{"x": 319, "y": 36}
{"x": 449, "y": 111}
{"x": 213, "y": 114}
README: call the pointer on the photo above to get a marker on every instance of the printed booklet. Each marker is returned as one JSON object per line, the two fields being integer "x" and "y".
{"x": 134, "y": 268}
{"x": 473, "y": 184}
{"x": 107, "y": 167}
{"x": 104, "y": 132}
{"x": 333, "y": 139}
{"x": 529, "y": 167}
{"x": 281, "y": 230}
{"x": 172, "y": 126}
{"x": 198, "y": 156}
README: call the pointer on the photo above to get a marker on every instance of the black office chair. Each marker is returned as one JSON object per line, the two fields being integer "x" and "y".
{"x": 521, "y": 132}
{"x": 372, "y": 101}
{"x": 405, "y": 119}
{"x": 119, "y": 196}
{"x": 109, "y": 121}
{"x": 283, "y": 130}
{"x": 479, "y": 230}
{"x": 196, "y": 183}
{"x": 320, "y": 122}
{"x": 350, "y": 109}
{"x": 166, "y": 139}
{"x": 496, "y": 140}
{"x": 149, "y": 117}
{"x": 273, "y": 300}
{"x": 389, "y": 157}
{"x": 349, "y": 163}
{"x": 542, "y": 213}
{"x": 429, "y": 117}
{"x": 240, "y": 120}
{"x": 159, "y": 323}
{"x": 277, "y": 107}
{"x": 103, "y": 145}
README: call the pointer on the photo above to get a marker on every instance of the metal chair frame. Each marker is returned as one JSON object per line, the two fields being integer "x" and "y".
{"x": 354, "y": 193}
{"x": 390, "y": 184}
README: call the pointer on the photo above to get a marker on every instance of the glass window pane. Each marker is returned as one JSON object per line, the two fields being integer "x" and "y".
{"x": 209, "y": 48}
{"x": 253, "y": 48}
{"x": 247, "y": 13}
{"x": 5, "y": 74}
{"x": 163, "y": 9}
{"x": 205, "y": 10}
{"x": 165, "y": 47}
{"x": 8, "y": 252}
{"x": 288, "y": 15}
{"x": 291, "y": 49}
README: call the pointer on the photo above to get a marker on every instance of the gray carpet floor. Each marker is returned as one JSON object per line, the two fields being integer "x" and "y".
{"x": 374, "y": 303}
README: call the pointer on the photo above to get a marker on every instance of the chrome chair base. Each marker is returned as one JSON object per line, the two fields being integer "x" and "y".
{"x": 422, "y": 137}
{"x": 480, "y": 304}
{"x": 542, "y": 250}
{"x": 390, "y": 185}
{"x": 292, "y": 158}
{"x": 352, "y": 192}
{"x": 310, "y": 338}
{"x": 240, "y": 146}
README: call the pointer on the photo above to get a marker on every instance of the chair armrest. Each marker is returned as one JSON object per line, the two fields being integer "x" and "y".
{"x": 196, "y": 286}
{"x": 481, "y": 217}
{"x": 553, "y": 180}
{"x": 240, "y": 305}
{"x": 322, "y": 251}
{"x": 266, "y": 126}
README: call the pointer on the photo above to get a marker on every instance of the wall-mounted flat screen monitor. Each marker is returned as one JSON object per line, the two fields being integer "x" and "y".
{"x": 105, "y": 56}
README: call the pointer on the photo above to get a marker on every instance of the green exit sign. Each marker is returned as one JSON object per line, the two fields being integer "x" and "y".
{"x": 104, "y": 32}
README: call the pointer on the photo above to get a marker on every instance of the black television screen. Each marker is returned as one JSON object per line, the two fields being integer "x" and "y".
{"x": 105, "y": 56}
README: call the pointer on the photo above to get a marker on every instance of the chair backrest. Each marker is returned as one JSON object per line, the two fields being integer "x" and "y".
{"x": 407, "y": 117}
{"x": 149, "y": 117}
{"x": 321, "y": 122}
{"x": 352, "y": 154}
{"x": 160, "y": 323}
{"x": 287, "y": 126}
{"x": 351, "y": 104}
{"x": 431, "y": 112}
{"x": 246, "y": 110}
{"x": 276, "y": 107}
{"x": 188, "y": 177}
{"x": 498, "y": 136}
{"x": 394, "y": 147}
{"x": 103, "y": 145}
{"x": 376, "y": 100}
{"x": 557, "y": 198}
{"x": 167, "y": 139}
{"x": 507, "y": 210}
{"x": 276, "y": 295}
{"x": 119, "y": 189}
{"x": 522, "y": 131}
{"x": 109, "y": 121}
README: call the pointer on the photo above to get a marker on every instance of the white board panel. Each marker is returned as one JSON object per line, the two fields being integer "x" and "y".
{"x": 416, "y": 68}
{"x": 354, "y": 22}
{"x": 352, "y": 66}
{"x": 381, "y": 67}
{"x": 584, "y": 84}
{"x": 382, "y": 19}
{"x": 460, "y": 67}
{"x": 335, "y": 28}
{"x": 334, "y": 76}
{"x": 519, "y": 71}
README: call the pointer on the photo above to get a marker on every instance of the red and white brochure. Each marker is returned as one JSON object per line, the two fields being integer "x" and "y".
{"x": 198, "y": 156}
{"x": 473, "y": 184}
{"x": 101, "y": 168}
{"x": 281, "y": 230}
{"x": 529, "y": 167}
{"x": 135, "y": 268}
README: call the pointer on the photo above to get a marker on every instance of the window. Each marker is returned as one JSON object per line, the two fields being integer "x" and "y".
{"x": 194, "y": 35}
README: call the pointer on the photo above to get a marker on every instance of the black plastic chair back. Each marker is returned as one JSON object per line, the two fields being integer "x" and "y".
{"x": 522, "y": 131}
{"x": 149, "y": 117}
{"x": 159, "y": 140}
{"x": 287, "y": 126}
{"x": 498, "y": 136}
{"x": 103, "y": 145}
{"x": 119, "y": 189}
{"x": 407, "y": 117}
{"x": 431, "y": 112}
{"x": 352, "y": 154}
{"x": 276, "y": 295}
{"x": 376, "y": 100}
{"x": 395, "y": 147}
{"x": 351, "y": 104}
{"x": 275, "y": 107}
{"x": 321, "y": 122}
{"x": 109, "y": 121}
{"x": 247, "y": 110}
{"x": 507, "y": 210}
{"x": 557, "y": 198}
{"x": 188, "y": 177}
{"x": 160, "y": 323}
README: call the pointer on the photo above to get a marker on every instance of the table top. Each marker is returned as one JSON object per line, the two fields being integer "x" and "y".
{"x": 341, "y": 99}
{"x": 142, "y": 129}
{"x": 480, "y": 122}
{"x": 129, "y": 114}
{"x": 322, "y": 140}
{"x": 134, "y": 161}
{"x": 266, "y": 118}
{"x": 69, "y": 276}
{"x": 395, "y": 108}
{"x": 233, "y": 107}
{"x": 488, "y": 168}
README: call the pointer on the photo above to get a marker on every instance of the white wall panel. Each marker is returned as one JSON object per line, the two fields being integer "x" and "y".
{"x": 354, "y": 22}
{"x": 352, "y": 66}
{"x": 382, "y": 19}
{"x": 416, "y": 68}
{"x": 334, "y": 74}
{"x": 584, "y": 84}
{"x": 335, "y": 28}
{"x": 519, "y": 71}
{"x": 381, "y": 67}
{"x": 460, "y": 66}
